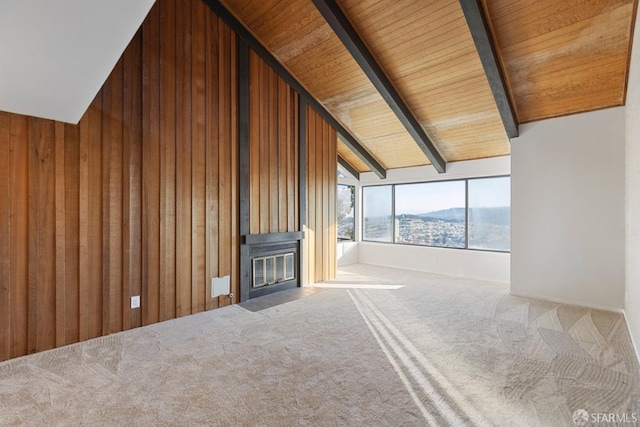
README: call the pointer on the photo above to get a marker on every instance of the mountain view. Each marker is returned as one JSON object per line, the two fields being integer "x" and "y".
{"x": 489, "y": 228}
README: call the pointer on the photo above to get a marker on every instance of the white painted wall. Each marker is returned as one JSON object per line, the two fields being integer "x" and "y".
{"x": 348, "y": 253}
{"x": 567, "y": 210}
{"x": 632, "y": 194}
{"x": 56, "y": 55}
{"x": 481, "y": 265}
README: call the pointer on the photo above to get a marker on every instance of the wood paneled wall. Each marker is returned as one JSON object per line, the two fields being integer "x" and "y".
{"x": 273, "y": 146}
{"x": 322, "y": 180}
{"x": 142, "y": 198}
{"x": 139, "y": 198}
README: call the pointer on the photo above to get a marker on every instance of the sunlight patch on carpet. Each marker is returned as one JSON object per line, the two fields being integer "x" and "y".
{"x": 356, "y": 286}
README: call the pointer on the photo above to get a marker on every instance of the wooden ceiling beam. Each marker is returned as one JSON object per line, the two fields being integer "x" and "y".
{"x": 477, "y": 22}
{"x": 348, "y": 167}
{"x": 340, "y": 24}
{"x": 349, "y": 140}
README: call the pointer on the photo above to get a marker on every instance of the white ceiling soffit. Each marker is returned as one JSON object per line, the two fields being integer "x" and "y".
{"x": 55, "y": 55}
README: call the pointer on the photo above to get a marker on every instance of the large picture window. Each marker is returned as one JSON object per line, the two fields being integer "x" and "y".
{"x": 431, "y": 214}
{"x": 377, "y": 212}
{"x": 463, "y": 214}
{"x": 346, "y": 202}
{"x": 490, "y": 213}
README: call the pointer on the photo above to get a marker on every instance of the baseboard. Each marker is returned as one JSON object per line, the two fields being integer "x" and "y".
{"x": 568, "y": 302}
{"x": 633, "y": 341}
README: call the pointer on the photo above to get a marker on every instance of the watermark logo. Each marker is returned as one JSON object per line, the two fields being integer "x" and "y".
{"x": 580, "y": 417}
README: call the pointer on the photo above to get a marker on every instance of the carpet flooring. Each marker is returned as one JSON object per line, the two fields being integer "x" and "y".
{"x": 375, "y": 347}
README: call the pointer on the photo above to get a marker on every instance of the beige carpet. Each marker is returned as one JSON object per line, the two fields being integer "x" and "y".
{"x": 363, "y": 351}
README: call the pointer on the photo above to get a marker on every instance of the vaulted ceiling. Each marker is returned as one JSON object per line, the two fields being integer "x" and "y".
{"x": 555, "y": 58}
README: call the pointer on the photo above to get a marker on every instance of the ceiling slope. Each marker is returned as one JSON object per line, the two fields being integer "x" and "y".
{"x": 426, "y": 50}
{"x": 55, "y": 55}
{"x": 563, "y": 57}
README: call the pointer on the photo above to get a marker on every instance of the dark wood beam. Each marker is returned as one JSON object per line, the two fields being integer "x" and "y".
{"x": 350, "y": 141}
{"x": 354, "y": 44}
{"x": 302, "y": 190}
{"x": 243, "y": 167}
{"x": 478, "y": 25}
{"x": 352, "y": 171}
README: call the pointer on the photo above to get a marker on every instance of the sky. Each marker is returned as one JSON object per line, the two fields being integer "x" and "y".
{"x": 435, "y": 196}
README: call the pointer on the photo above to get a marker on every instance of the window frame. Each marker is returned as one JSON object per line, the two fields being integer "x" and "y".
{"x": 466, "y": 227}
{"x": 355, "y": 212}
{"x": 393, "y": 212}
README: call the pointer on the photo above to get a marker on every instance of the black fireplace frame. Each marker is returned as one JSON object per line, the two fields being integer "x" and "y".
{"x": 258, "y": 245}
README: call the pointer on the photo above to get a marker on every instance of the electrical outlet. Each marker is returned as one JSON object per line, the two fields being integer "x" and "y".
{"x": 135, "y": 301}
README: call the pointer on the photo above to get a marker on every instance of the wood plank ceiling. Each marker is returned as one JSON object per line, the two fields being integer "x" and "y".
{"x": 559, "y": 58}
{"x": 563, "y": 57}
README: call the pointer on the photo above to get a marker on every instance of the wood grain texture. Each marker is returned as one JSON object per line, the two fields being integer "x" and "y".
{"x": 167, "y": 291}
{"x": 72, "y": 233}
{"x": 303, "y": 42}
{"x": 425, "y": 49}
{"x": 150, "y": 295}
{"x": 132, "y": 181}
{"x": 563, "y": 58}
{"x": 139, "y": 198}
{"x": 183, "y": 159}
{"x": 321, "y": 235}
{"x": 5, "y": 235}
{"x": 19, "y": 217}
{"x": 273, "y": 115}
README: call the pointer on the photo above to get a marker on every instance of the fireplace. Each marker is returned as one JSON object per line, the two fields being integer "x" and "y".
{"x": 271, "y": 263}
{"x": 273, "y": 269}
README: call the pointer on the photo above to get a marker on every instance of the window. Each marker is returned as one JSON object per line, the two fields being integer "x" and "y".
{"x": 431, "y": 214}
{"x": 377, "y": 211}
{"x": 346, "y": 212}
{"x": 470, "y": 213}
{"x": 490, "y": 213}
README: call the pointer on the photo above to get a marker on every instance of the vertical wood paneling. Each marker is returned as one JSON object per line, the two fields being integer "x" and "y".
{"x": 183, "y": 158}
{"x": 60, "y": 236}
{"x": 225, "y": 147}
{"x": 317, "y": 140}
{"x": 139, "y": 198}
{"x": 262, "y": 129}
{"x": 5, "y": 235}
{"x": 273, "y": 116}
{"x": 72, "y": 232}
{"x": 254, "y": 142}
{"x": 198, "y": 180}
{"x": 132, "y": 181}
{"x": 151, "y": 168}
{"x": 212, "y": 79}
{"x": 321, "y": 205}
{"x": 19, "y": 224}
{"x": 42, "y": 320}
{"x": 167, "y": 292}
{"x": 83, "y": 221}
{"x": 232, "y": 178}
{"x": 311, "y": 196}
{"x": 95, "y": 220}
{"x": 283, "y": 147}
